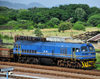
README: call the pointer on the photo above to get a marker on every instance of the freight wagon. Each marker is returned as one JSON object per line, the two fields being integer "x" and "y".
{"x": 6, "y": 54}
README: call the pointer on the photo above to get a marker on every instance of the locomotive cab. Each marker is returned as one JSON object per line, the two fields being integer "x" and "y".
{"x": 88, "y": 55}
{"x": 88, "y": 51}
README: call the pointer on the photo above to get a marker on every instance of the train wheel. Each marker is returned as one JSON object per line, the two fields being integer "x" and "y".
{"x": 27, "y": 60}
{"x": 60, "y": 63}
{"x": 22, "y": 60}
{"x": 35, "y": 61}
{"x": 68, "y": 64}
{"x": 78, "y": 65}
{"x": 19, "y": 59}
{"x": 73, "y": 64}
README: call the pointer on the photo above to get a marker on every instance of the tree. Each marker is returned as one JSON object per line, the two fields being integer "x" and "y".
{"x": 94, "y": 10}
{"x": 38, "y": 32}
{"x": 23, "y": 14}
{"x": 13, "y": 14}
{"x": 13, "y": 24}
{"x": 64, "y": 26}
{"x": 2, "y": 8}
{"x": 80, "y": 14}
{"x": 3, "y": 19}
{"x": 53, "y": 22}
{"x": 41, "y": 26}
{"x": 79, "y": 26}
{"x": 94, "y": 20}
{"x": 24, "y": 24}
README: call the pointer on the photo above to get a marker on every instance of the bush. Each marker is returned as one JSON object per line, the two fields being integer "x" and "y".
{"x": 64, "y": 26}
{"x": 98, "y": 25}
{"x": 41, "y": 26}
{"x": 56, "y": 26}
{"x": 5, "y": 37}
{"x": 79, "y": 26}
{"x": 12, "y": 23}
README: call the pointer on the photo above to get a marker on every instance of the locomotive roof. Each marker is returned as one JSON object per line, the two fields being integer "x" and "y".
{"x": 57, "y": 44}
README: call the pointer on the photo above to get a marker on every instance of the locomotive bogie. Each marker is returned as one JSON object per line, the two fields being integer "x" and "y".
{"x": 88, "y": 63}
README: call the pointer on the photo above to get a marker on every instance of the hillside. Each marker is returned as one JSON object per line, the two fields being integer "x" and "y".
{"x": 19, "y": 5}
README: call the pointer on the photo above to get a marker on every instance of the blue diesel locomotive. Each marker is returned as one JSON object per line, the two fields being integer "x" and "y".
{"x": 37, "y": 50}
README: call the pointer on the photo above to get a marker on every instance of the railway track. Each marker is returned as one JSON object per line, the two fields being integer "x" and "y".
{"x": 52, "y": 70}
{"x": 16, "y": 77}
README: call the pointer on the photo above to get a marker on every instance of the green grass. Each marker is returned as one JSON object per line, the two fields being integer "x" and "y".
{"x": 8, "y": 41}
{"x": 97, "y": 50}
{"x": 98, "y": 61}
{"x": 98, "y": 66}
{"x": 8, "y": 46}
{"x": 98, "y": 57}
{"x": 46, "y": 32}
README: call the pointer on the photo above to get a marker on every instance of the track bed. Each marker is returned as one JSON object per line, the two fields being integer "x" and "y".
{"x": 52, "y": 70}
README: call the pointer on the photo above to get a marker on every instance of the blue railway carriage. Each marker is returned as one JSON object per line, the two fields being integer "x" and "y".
{"x": 60, "y": 53}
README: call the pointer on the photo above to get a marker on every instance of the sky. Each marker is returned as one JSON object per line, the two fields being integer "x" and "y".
{"x": 51, "y": 3}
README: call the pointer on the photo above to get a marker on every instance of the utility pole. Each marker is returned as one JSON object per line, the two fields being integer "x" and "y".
{"x": 69, "y": 20}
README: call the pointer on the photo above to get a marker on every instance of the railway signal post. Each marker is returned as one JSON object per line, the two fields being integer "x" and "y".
{"x": 6, "y": 70}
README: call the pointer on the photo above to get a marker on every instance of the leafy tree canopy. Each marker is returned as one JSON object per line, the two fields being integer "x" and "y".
{"x": 23, "y": 14}
{"x": 38, "y": 32}
{"x": 64, "y": 26}
{"x": 41, "y": 26}
{"x": 24, "y": 24}
{"x": 80, "y": 14}
{"x": 50, "y": 17}
{"x": 53, "y": 22}
{"x": 94, "y": 20}
{"x": 3, "y": 19}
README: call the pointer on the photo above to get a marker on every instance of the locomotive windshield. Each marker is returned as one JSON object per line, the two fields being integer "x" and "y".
{"x": 91, "y": 48}
{"x": 84, "y": 49}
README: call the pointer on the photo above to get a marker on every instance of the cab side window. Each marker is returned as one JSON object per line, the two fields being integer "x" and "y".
{"x": 73, "y": 50}
{"x": 77, "y": 50}
{"x": 83, "y": 49}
